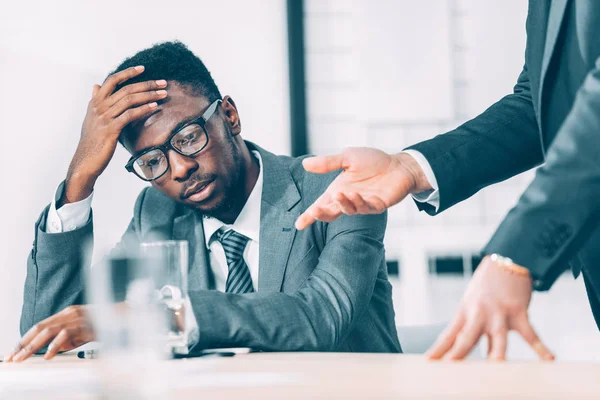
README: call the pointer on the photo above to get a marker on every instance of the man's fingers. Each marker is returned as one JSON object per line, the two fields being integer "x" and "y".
{"x": 497, "y": 336}
{"x": 497, "y": 351}
{"x": 323, "y": 164}
{"x": 112, "y": 81}
{"x": 135, "y": 99}
{"x": 26, "y": 339}
{"x": 304, "y": 221}
{"x": 376, "y": 205}
{"x": 132, "y": 114}
{"x": 329, "y": 213}
{"x": 345, "y": 205}
{"x": 35, "y": 344}
{"x": 95, "y": 90}
{"x": 317, "y": 213}
{"x": 522, "y": 325}
{"x": 362, "y": 207}
{"x": 323, "y": 209}
{"x": 372, "y": 204}
{"x": 354, "y": 201}
{"x": 33, "y": 332}
{"x": 466, "y": 339}
{"x": 446, "y": 339}
{"x": 140, "y": 87}
{"x": 9, "y": 357}
{"x": 57, "y": 344}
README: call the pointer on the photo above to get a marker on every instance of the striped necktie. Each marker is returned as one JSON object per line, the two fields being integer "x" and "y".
{"x": 239, "y": 280}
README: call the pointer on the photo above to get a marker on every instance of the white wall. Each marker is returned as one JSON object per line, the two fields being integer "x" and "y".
{"x": 52, "y": 52}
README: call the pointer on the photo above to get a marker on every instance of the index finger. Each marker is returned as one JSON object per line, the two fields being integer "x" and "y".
{"x": 31, "y": 334}
{"x": 305, "y": 220}
{"x": 446, "y": 339}
{"x": 115, "y": 79}
{"x": 36, "y": 344}
{"x": 322, "y": 209}
{"x": 467, "y": 339}
{"x": 325, "y": 214}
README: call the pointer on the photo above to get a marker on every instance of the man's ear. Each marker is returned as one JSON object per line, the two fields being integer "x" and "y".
{"x": 230, "y": 112}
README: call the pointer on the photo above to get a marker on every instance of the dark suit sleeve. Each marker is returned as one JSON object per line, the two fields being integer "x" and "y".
{"x": 319, "y": 315}
{"x": 55, "y": 271}
{"x": 501, "y": 142}
{"x": 56, "y": 268}
{"x": 561, "y": 206}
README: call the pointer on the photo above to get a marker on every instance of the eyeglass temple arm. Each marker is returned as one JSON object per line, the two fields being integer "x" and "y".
{"x": 211, "y": 110}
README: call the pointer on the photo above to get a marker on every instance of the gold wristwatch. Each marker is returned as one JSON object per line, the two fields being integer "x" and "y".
{"x": 508, "y": 265}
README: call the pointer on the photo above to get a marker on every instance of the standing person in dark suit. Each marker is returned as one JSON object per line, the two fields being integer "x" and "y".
{"x": 553, "y": 117}
{"x": 254, "y": 281}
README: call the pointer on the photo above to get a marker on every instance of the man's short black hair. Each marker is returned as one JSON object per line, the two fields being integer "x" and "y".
{"x": 173, "y": 61}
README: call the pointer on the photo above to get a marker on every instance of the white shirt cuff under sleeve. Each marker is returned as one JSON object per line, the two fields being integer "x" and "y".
{"x": 70, "y": 216}
{"x": 431, "y": 197}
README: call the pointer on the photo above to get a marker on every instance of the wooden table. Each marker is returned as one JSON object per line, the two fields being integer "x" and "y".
{"x": 350, "y": 376}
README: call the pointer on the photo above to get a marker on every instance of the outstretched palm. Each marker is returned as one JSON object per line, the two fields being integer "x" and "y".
{"x": 371, "y": 182}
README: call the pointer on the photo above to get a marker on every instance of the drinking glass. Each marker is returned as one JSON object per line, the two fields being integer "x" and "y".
{"x": 168, "y": 261}
{"x": 130, "y": 326}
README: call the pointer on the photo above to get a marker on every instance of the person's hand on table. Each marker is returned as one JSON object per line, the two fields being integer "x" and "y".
{"x": 371, "y": 182}
{"x": 495, "y": 302}
{"x": 63, "y": 331}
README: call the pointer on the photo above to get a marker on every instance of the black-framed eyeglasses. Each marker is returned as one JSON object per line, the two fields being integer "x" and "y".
{"x": 188, "y": 141}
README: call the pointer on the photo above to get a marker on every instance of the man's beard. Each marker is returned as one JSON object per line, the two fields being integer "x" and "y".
{"x": 234, "y": 193}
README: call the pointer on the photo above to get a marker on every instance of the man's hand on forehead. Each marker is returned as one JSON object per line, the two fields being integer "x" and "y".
{"x": 109, "y": 111}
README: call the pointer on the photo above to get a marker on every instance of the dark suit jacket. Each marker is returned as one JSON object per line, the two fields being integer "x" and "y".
{"x": 321, "y": 289}
{"x": 557, "y": 216}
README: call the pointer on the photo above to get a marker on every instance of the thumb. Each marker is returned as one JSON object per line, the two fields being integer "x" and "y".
{"x": 323, "y": 164}
{"x": 95, "y": 90}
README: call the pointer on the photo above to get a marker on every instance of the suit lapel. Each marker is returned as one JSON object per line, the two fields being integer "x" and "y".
{"x": 277, "y": 218}
{"x": 555, "y": 19}
{"x": 189, "y": 227}
{"x": 277, "y": 231}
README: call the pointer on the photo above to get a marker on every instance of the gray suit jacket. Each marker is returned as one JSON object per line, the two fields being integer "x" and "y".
{"x": 321, "y": 289}
{"x": 556, "y": 220}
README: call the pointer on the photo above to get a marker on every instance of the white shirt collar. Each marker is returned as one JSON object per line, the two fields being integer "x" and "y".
{"x": 248, "y": 222}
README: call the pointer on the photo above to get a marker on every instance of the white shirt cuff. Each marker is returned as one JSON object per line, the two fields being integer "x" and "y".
{"x": 70, "y": 216}
{"x": 431, "y": 197}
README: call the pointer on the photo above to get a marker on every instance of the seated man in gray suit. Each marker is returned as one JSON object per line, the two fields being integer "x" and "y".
{"x": 321, "y": 289}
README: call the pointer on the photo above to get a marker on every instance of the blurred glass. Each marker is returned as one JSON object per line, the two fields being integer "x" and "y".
{"x": 168, "y": 261}
{"x": 130, "y": 326}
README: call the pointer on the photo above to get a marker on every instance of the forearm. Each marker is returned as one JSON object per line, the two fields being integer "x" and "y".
{"x": 268, "y": 322}
{"x": 501, "y": 142}
{"x": 55, "y": 271}
{"x": 317, "y": 317}
{"x": 77, "y": 187}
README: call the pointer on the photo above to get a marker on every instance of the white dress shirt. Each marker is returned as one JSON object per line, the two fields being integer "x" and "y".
{"x": 70, "y": 216}
{"x": 248, "y": 224}
{"x": 432, "y": 197}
